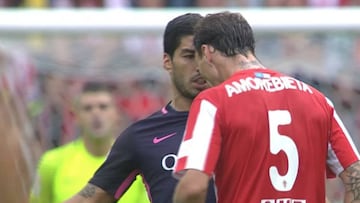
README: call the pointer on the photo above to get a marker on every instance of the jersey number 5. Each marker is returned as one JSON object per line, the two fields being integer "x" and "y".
{"x": 280, "y": 142}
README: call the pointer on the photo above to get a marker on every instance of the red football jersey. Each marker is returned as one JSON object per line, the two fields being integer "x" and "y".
{"x": 265, "y": 137}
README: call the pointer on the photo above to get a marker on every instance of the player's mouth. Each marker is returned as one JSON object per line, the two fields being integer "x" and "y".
{"x": 96, "y": 124}
{"x": 200, "y": 83}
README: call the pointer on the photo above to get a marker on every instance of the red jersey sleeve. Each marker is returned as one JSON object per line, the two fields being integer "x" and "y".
{"x": 341, "y": 149}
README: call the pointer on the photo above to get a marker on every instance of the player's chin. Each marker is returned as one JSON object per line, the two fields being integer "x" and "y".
{"x": 100, "y": 136}
{"x": 99, "y": 132}
{"x": 194, "y": 92}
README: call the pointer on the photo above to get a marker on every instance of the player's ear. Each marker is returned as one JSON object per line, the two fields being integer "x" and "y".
{"x": 167, "y": 62}
{"x": 75, "y": 109}
{"x": 206, "y": 51}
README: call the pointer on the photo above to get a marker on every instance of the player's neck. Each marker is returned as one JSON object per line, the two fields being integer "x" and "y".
{"x": 240, "y": 62}
{"x": 248, "y": 62}
{"x": 228, "y": 65}
{"x": 181, "y": 103}
{"x": 97, "y": 146}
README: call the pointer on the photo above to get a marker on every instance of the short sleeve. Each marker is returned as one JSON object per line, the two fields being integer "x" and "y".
{"x": 119, "y": 170}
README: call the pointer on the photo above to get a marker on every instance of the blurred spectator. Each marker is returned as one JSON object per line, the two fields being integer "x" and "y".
{"x": 325, "y": 3}
{"x": 88, "y": 3}
{"x": 244, "y": 3}
{"x": 63, "y": 171}
{"x": 356, "y": 54}
{"x": 16, "y": 152}
{"x": 36, "y": 3}
{"x": 333, "y": 3}
{"x": 56, "y": 121}
{"x": 10, "y": 3}
{"x": 180, "y": 3}
{"x": 210, "y": 3}
{"x": 140, "y": 99}
{"x": 175, "y": 3}
{"x": 19, "y": 147}
{"x": 357, "y": 117}
{"x": 116, "y": 3}
{"x": 285, "y": 3}
{"x": 148, "y": 3}
{"x": 352, "y": 3}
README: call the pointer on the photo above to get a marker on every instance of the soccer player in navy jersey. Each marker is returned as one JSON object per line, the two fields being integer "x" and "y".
{"x": 265, "y": 137}
{"x": 149, "y": 146}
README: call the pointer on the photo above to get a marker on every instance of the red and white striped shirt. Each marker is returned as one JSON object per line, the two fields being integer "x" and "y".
{"x": 265, "y": 137}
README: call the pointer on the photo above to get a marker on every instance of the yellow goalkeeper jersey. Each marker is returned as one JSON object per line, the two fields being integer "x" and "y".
{"x": 64, "y": 171}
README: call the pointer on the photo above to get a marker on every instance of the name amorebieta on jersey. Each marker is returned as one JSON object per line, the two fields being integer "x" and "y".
{"x": 269, "y": 84}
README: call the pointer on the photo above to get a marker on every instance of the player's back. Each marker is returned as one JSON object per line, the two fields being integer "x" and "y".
{"x": 274, "y": 139}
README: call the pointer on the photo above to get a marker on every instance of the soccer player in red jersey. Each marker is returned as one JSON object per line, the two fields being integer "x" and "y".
{"x": 265, "y": 137}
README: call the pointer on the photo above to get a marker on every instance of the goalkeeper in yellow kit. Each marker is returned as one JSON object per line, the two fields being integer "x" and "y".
{"x": 63, "y": 171}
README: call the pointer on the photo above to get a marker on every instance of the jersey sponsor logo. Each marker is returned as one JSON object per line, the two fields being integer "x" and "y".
{"x": 265, "y": 83}
{"x": 160, "y": 139}
{"x": 283, "y": 200}
{"x": 168, "y": 162}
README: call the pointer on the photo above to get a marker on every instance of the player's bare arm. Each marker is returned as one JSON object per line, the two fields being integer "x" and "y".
{"x": 91, "y": 194}
{"x": 351, "y": 179}
{"x": 88, "y": 191}
{"x": 192, "y": 192}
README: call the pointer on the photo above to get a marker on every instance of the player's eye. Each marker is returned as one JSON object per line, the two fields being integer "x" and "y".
{"x": 103, "y": 107}
{"x": 89, "y": 107}
{"x": 189, "y": 56}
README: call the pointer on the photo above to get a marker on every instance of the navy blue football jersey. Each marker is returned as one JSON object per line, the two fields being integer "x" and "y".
{"x": 147, "y": 147}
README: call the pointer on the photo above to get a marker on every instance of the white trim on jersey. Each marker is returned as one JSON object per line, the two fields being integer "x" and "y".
{"x": 196, "y": 148}
{"x": 343, "y": 128}
{"x": 333, "y": 162}
{"x": 332, "y": 159}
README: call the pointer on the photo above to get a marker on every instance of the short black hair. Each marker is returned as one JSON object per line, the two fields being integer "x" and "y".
{"x": 177, "y": 28}
{"x": 95, "y": 86}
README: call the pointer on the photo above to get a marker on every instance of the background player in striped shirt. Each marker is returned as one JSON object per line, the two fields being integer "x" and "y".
{"x": 149, "y": 146}
{"x": 264, "y": 136}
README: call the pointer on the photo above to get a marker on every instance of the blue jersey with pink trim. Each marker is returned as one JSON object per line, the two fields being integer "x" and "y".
{"x": 147, "y": 147}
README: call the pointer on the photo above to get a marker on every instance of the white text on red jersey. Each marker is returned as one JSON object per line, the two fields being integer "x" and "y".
{"x": 271, "y": 84}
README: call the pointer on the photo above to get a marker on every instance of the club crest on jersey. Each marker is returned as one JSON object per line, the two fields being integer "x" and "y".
{"x": 262, "y": 75}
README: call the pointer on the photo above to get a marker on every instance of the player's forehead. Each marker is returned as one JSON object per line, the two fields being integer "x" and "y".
{"x": 96, "y": 97}
{"x": 186, "y": 45}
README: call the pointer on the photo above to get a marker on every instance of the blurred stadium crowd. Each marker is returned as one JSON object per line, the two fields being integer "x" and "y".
{"x": 174, "y": 3}
{"x": 39, "y": 73}
{"x": 38, "y": 80}
{"x": 54, "y": 67}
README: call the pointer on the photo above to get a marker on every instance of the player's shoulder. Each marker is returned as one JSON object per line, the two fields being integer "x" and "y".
{"x": 52, "y": 159}
{"x": 61, "y": 151}
{"x": 166, "y": 116}
{"x": 310, "y": 92}
{"x": 158, "y": 116}
{"x": 141, "y": 123}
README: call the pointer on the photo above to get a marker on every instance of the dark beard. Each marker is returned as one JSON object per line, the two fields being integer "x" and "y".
{"x": 184, "y": 91}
